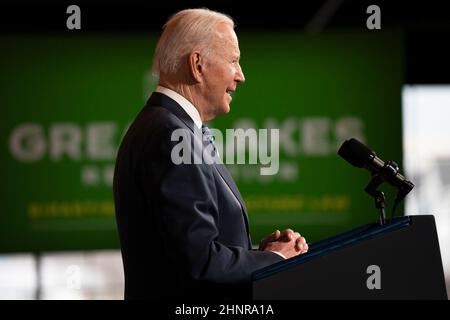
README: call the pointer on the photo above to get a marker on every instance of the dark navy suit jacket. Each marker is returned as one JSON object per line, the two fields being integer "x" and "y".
{"x": 183, "y": 228}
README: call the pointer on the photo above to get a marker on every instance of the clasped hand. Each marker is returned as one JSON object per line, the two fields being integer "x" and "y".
{"x": 288, "y": 243}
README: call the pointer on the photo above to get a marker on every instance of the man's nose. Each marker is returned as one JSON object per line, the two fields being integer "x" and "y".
{"x": 240, "y": 78}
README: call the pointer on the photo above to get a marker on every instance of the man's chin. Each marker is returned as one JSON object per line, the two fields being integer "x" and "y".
{"x": 223, "y": 109}
{"x": 218, "y": 112}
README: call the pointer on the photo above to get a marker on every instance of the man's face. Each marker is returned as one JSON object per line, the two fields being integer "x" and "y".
{"x": 222, "y": 73}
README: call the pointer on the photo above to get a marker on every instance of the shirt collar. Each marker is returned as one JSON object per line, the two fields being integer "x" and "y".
{"x": 183, "y": 102}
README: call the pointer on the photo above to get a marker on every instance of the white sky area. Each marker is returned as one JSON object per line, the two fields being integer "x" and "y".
{"x": 426, "y": 125}
{"x": 426, "y": 144}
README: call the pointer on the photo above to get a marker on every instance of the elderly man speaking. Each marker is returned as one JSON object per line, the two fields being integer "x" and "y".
{"x": 183, "y": 227}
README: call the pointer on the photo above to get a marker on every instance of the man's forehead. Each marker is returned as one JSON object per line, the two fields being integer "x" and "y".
{"x": 233, "y": 50}
{"x": 226, "y": 31}
{"x": 228, "y": 39}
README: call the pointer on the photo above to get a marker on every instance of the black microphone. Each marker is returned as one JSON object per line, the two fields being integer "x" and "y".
{"x": 359, "y": 155}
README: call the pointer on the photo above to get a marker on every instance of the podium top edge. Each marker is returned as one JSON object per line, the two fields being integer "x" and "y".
{"x": 334, "y": 243}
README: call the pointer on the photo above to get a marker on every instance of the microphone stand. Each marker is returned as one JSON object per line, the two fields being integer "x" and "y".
{"x": 380, "y": 203}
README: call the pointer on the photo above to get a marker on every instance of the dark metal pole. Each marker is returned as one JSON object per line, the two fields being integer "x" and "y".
{"x": 38, "y": 269}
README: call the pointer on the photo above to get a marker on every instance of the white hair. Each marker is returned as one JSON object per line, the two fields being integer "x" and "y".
{"x": 187, "y": 30}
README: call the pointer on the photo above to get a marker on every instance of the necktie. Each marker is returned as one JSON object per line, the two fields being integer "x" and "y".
{"x": 208, "y": 137}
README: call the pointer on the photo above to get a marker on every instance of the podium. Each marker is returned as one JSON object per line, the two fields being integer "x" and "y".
{"x": 398, "y": 260}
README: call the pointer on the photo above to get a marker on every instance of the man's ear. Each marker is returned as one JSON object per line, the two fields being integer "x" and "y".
{"x": 195, "y": 66}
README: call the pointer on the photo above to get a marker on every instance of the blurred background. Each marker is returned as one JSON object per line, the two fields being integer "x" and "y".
{"x": 319, "y": 71}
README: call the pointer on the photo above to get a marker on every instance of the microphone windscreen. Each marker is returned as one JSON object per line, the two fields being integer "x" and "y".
{"x": 356, "y": 153}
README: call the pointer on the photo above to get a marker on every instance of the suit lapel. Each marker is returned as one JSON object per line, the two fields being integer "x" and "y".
{"x": 230, "y": 182}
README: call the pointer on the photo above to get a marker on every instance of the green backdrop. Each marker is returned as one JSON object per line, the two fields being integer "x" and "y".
{"x": 66, "y": 101}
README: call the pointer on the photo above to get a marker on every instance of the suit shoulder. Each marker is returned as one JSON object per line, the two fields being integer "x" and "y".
{"x": 158, "y": 119}
{"x": 152, "y": 126}
{"x": 154, "y": 122}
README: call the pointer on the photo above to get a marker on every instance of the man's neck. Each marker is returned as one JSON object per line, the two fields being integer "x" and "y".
{"x": 187, "y": 92}
{"x": 188, "y": 107}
